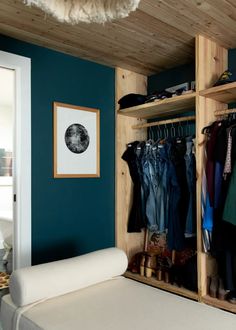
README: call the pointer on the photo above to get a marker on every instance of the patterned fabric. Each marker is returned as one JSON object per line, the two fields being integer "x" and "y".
{"x": 227, "y": 167}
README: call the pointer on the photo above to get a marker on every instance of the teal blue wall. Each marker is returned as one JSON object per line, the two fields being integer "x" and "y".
{"x": 165, "y": 79}
{"x": 232, "y": 59}
{"x": 171, "y": 77}
{"x": 69, "y": 216}
{"x": 181, "y": 74}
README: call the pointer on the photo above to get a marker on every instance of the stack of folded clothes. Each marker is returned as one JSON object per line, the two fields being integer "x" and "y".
{"x": 132, "y": 99}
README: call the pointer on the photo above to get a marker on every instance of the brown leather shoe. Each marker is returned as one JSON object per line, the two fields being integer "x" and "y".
{"x": 148, "y": 266}
{"x": 142, "y": 264}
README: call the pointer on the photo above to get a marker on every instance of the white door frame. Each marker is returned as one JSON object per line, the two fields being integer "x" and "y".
{"x": 22, "y": 154}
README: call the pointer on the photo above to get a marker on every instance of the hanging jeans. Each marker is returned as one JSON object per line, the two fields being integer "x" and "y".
{"x": 149, "y": 183}
{"x": 139, "y": 156}
{"x": 159, "y": 164}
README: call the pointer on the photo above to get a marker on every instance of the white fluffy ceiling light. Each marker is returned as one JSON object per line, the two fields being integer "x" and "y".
{"x": 75, "y": 11}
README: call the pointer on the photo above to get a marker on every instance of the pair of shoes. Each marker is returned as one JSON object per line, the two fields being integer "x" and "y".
{"x": 147, "y": 264}
{"x": 163, "y": 269}
{"x": 134, "y": 264}
{"x": 216, "y": 288}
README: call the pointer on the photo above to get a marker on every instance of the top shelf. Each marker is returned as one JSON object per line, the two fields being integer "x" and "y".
{"x": 224, "y": 93}
{"x": 163, "y": 108}
{"x": 180, "y": 104}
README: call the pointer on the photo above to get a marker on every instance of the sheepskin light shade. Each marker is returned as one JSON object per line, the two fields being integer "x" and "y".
{"x": 75, "y": 11}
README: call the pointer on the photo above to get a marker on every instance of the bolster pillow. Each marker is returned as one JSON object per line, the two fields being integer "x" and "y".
{"x": 32, "y": 284}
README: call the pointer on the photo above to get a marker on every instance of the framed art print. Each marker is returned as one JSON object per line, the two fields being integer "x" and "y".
{"x": 76, "y": 141}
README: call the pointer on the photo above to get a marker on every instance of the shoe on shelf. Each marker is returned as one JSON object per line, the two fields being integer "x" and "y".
{"x": 222, "y": 293}
{"x": 142, "y": 264}
{"x": 147, "y": 264}
{"x": 214, "y": 286}
{"x": 163, "y": 268}
{"x": 150, "y": 264}
{"x": 231, "y": 297}
{"x": 159, "y": 271}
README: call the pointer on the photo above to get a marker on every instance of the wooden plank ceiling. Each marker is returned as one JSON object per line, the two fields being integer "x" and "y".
{"x": 157, "y": 36}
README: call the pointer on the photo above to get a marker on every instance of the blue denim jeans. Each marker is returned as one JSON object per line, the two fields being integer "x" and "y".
{"x": 161, "y": 171}
{"x": 139, "y": 159}
{"x": 155, "y": 166}
{"x": 148, "y": 187}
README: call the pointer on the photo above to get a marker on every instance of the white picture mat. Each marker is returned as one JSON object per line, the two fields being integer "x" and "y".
{"x": 67, "y": 161}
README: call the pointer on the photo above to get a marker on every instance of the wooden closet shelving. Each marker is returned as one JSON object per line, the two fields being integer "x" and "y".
{"x": 224, "y": 93}
{"x": 162, "y": 285}
{"x": 219, "y": 303}
{"x": 167, "y": 107}
{"x": 211, "y": 60}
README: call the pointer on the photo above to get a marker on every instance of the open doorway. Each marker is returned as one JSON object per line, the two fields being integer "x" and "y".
{"x": 20, "y": 185}
{"x": 7, "y": 87}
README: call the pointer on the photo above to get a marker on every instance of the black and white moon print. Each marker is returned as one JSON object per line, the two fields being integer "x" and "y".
{"x": 77, "y": 138}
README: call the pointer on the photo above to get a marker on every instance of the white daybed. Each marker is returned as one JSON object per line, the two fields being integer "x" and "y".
{"x": 88, "y": 293}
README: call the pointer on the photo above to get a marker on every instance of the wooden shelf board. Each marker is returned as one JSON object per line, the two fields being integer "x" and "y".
{"x": 223, "y": 304}
{"x": 224, "y": 93}
{"x": 162, "y": 285}
{"x": 163, "y": 108}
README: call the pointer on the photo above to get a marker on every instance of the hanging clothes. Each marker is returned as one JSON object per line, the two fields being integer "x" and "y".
{"x": 164, "y": 178}
{"x": 136, "y": 221}
{"x": 220, "y": 208}
{"x": 229, "y": 213}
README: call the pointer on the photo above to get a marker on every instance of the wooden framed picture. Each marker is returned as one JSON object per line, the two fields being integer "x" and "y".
{"x": 76, "y": 141}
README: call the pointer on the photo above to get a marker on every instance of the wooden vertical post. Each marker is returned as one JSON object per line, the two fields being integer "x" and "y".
{"x": 126, "y": 82}
{"x": 211, "y": 61}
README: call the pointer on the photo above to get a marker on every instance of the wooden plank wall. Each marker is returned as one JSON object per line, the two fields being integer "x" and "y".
{"x": 126, "y": 82}
{"x": 211, "y": 61}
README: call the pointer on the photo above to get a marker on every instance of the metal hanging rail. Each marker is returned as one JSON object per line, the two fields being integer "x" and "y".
{"x": 225, "y": 112}
{"x": 165, "y": 122}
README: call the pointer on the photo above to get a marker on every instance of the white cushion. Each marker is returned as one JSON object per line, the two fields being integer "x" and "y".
{"x": 118, "y": 304}
{"x": 31, "y": 284}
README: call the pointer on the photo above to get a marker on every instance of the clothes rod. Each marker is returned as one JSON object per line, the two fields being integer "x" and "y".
{"x": 224, "y": 112}
{"x": 164, "y": 122}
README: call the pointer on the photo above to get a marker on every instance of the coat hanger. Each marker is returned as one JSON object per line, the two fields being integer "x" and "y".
{"x": 180, "y": 130}
{"x": 206, "y": 129}
{"x": 172, "y": 131}
{"x": 151, "y": 133}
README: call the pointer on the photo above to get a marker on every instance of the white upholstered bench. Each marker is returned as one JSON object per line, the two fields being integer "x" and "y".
{"x": 89, "y": 293}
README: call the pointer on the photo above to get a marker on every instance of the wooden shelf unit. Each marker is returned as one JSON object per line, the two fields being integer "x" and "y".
{"x": 222, "y": 304}
{"x": 162, "y": 285}
{"x": 167, "y": 107}
{"x": 224, "y": 93}
{"x": 210, "y": 60}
